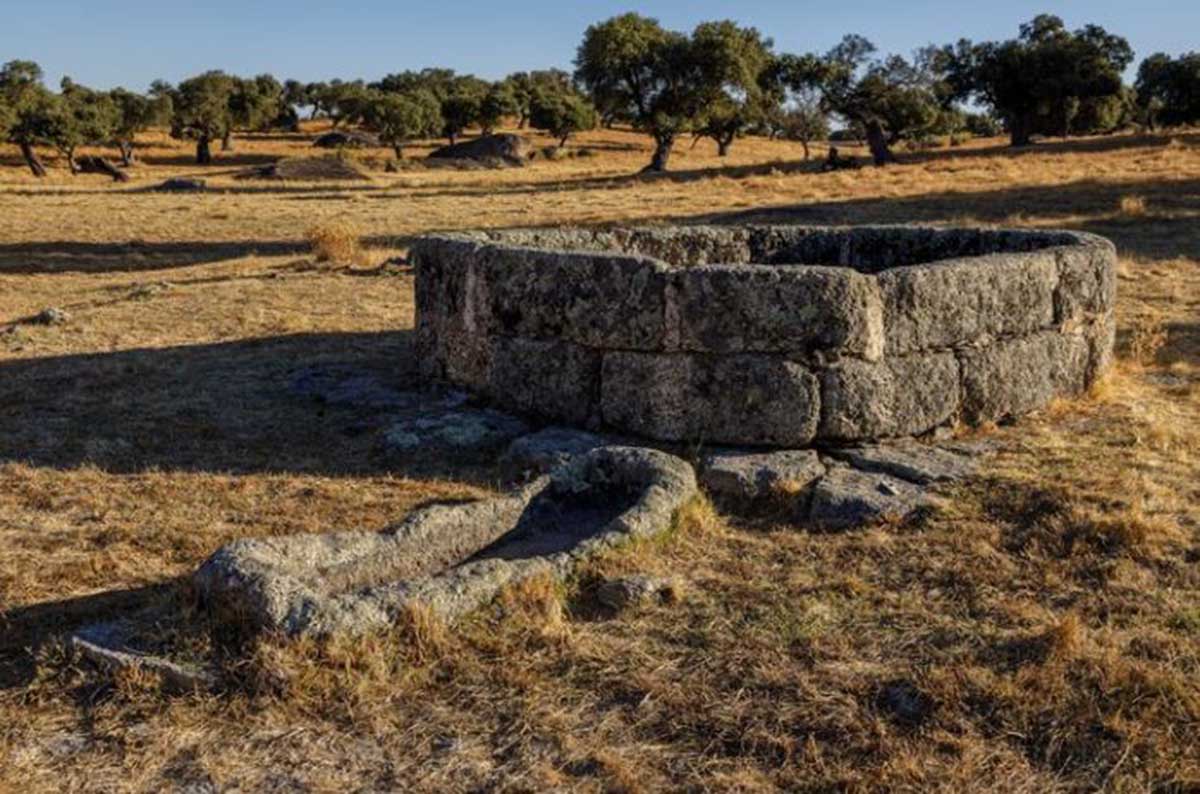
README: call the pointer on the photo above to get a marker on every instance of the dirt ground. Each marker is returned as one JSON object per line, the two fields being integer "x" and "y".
{"x": 1039, "y": 632}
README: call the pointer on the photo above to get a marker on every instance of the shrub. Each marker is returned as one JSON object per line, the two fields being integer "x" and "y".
{"x": 336, "y": 241}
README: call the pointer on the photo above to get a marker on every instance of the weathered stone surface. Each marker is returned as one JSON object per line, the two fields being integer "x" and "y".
{"x": 539, "y": 453}
{"x": 459, "y": 430}
{"x": 962, "y": 302}
{"x": 739, "y": 399}
{"x": 627, "y": 592}
{"x": 557, "y": 379}
{"x": 716, "y": 333}
{"x": 1087, "y": 280}
{"x": 899, "y": 396}
{"x": 601, "y": 301}
{"x": 746, "y": 476}
{"x": 1014, "y": 377}
{"x": 448, "y": 558}
{"x": 922, "y": 464}
{"x": 846, "y": 498}
{"x": 724, "y": 309}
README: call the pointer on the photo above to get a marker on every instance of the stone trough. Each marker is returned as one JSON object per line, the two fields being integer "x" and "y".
{"x": 767, "y": 336}
{"x": 447, "y": 558}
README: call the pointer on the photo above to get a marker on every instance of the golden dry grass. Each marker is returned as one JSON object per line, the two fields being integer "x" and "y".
{"x": 1044, "y": 625}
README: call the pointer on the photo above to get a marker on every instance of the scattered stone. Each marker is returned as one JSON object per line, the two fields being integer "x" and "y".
{"x": 448, "y": 558}
{"x": 504, "y": 148}
{"x": 539, "y": 453}
{"x": 107, "y": 645}
{"x": 918, "y": 463}
{"x": 632, "y": 591}
{"x": 465, "y": 430}
{"x": 346, "y": 138}
{"x": 50, "y": 316}
{"x": 747, "y": 476}
{"x": 904, "y": 703}
{"x": 846, "y": 498}
{"x": 183, "y": 185}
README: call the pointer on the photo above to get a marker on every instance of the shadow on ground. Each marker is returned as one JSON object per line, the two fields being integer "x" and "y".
{"x": 228, "y": 407}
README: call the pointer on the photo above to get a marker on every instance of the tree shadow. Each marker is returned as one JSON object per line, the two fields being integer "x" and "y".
{"x": 231, "y": 407}
{"x": 25, "y": 629}
{"x": 57, "y": 256}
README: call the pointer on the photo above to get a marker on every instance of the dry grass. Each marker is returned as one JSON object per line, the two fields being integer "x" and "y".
{"x": 1040, "y": 632}
{"x": 336, "y": 241}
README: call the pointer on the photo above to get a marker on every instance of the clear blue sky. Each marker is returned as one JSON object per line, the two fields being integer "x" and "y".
{"x": 105, "y": 44}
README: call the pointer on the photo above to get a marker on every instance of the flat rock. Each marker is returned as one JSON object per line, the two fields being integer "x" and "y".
{"x": 917, "y": 463}
{"x": 742, "y": 475}
{"x": 626, "y": 592}
{"x": 460, "y": 430}
{"x": 107, "y": 645}
{"x": 538, "y": 453}
{"x": 846, "y": 498}
{"x": 505, "y": 147}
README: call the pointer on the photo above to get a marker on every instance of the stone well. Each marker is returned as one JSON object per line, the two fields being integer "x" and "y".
{"x": 767, "y": 335}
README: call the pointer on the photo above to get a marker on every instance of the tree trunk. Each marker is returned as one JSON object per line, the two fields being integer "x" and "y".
{"x": 127, "y": 156}
{"x": 723, "y": 145}
{"x": 32, "y": 160}
{"x": 877, "y": 142}
{"x": 806, "y": 153}
{"x": 563, "y": 140}
{"x": 227, "y": 141}
{"x": 71, "y": 162}
{"x": 398, "y": 148}
{"x": 453, "y": 137}
{"x": 522, "y": 121}
{"x": 203, "y": 152}
{"x": 1019, "y": 131}
{"x": 662, "y": 154}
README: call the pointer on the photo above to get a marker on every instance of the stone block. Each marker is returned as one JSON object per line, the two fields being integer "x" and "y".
{"x": 1016, "y": 376}
{"x": 907, "y": 395}
{"x": 737, "y": 399}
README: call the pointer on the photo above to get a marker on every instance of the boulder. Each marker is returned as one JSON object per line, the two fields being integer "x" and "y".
{"x": 627, "y": 592}
{"x": 505, "y": 147}
{"x": 746, "y": 476}
{"x": 347, "y": 138}
{"x": 846, "y": 498}
{"x": 182, "y": 185}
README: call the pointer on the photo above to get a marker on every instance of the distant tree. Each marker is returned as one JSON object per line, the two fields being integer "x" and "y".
{"x": 1168, "y": 89}
{"x": 401, "y": 117}
{"x": 562, "y": 114}
{"x": 295, "y": 96}
{"x": 737, "y": 65}
{"x": 78, "y": 117}
{"x": 888, "y": 99}
{"x": 1038, "y": 81}
{"x": 663, "y": 81}
{"x": 28, "y": 108}
{"x": 498, "y": 103}
{"x": 983, "y": 125}
{"x": 254, "y": 104}
{"x": 202, "y": 110}
{"x": 804, "y": 122}
{"x": 135, "y": 113}
{"x": 526, "y": 86}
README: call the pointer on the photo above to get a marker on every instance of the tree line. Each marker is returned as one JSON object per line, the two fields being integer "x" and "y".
{"x": 720, "y": 81}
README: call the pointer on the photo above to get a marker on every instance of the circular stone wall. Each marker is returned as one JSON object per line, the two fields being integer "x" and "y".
{"x": 767, "y": 335}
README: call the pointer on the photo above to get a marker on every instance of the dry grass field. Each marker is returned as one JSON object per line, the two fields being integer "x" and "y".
{"x": 1044, "y": 624}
